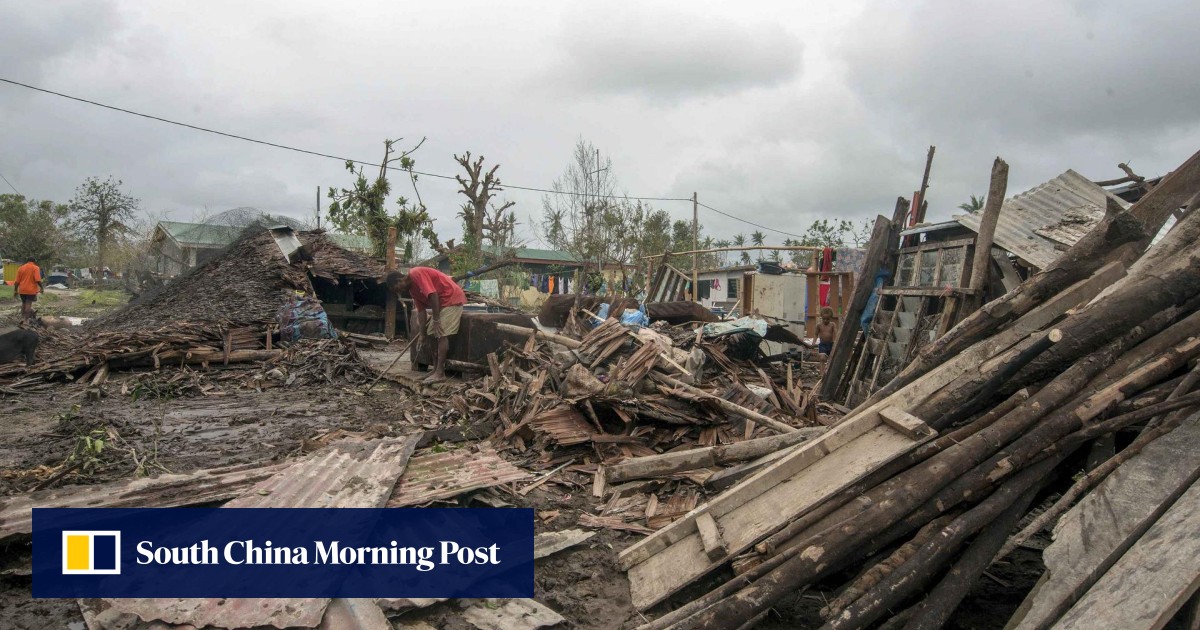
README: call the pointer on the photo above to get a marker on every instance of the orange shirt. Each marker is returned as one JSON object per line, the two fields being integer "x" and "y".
{"x": 28, "y": 277}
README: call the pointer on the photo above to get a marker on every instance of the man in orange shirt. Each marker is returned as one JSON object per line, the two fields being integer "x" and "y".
{"x": 432, "y": 289}
{"x": 28, "y": 286}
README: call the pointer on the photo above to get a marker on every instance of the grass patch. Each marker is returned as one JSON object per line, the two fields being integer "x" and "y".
{"x": 101, "y": 297}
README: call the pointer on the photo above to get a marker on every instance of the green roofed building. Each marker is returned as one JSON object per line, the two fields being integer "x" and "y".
{"x": 176, "y": 246}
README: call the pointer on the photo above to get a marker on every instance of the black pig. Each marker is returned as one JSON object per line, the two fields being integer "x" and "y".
{"x": 18, "y": 343}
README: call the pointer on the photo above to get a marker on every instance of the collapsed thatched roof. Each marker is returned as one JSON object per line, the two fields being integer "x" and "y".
{"x": 243, "y": 285}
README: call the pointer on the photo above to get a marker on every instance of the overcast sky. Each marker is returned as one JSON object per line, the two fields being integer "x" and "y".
{"x": 779, "y": 112}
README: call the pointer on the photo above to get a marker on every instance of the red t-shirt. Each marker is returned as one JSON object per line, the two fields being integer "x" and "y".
{"x": 426, "y": 281}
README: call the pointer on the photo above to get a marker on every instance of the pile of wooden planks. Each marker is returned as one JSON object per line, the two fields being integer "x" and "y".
{"x": 917, "y": 489}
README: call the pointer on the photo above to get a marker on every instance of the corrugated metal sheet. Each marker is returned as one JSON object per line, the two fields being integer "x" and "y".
{"x": 1040, "y": 223}
{"x": 354, "y": 614}
{"x": 172, "y": 490}
{"x": 439, "y": 476}
{"x": 564, "y": 425}
{"x": 345, "y": 475}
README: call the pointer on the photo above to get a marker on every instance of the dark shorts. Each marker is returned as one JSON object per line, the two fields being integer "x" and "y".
{"x": 28, "y": 299}
{"x": 825, "y": 348}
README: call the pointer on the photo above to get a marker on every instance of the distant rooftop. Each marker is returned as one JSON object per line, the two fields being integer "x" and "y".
{"x": 200, "y": 234}
{"x": 532, "y": 254}
{"x": 210, "y": 235}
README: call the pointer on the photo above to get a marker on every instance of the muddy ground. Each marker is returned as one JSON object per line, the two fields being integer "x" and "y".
{"x": 246, "y": 426}
{"x": 148, "y": 427}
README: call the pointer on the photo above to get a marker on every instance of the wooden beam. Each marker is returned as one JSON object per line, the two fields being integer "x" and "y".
{"x": 926, "y": 291}
{"x": 1008, "y": 276}
{"x": 748, "y": 248}
{"x": 731, "y": 407}
{"x": 905, "y": 423}
{"x": 675, "y": 556}
{"x": 556, "y": 338}
{"x": 929, "y": 245}
{"x": 691, "y": 459}
{"x": 710, "y": 537}
{"x": 1093, "y": 535}
{"x": 1150, "y": 583}
{"x": 1173, "y": 192}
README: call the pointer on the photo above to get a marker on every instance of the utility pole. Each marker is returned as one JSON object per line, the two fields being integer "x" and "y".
{"x": 318, "y": 207}
{"x": 695, "y": 246}
{"x": 589, "y": 223}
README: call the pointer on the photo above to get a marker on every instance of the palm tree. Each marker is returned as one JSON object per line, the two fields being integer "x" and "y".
{"x": 721, "y": 257}
{"x": 972, "y": 206}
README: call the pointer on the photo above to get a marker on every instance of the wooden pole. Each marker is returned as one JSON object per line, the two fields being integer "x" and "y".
{"x": 981, "y": 264}
{"x": 695, "y": 248}
{"x": 728, "y": 406}
{"x": 389, "y": 310}
{"x": 318, "y": 207}
{"x": 548, "y": 336}
{"x": 919, "y": 211}
{"x": 680, "y": 461}
{"x": 848, "y": 331}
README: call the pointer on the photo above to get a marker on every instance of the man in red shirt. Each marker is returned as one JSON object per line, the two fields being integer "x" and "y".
{"x": 28, "y": 285}
{"x": 432, "y": 289}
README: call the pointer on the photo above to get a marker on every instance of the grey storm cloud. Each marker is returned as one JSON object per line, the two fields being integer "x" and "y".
{"x": 669, "y": 55}
{"x": 36, "y": 35}
{"x": 779, "y": 112}
{"x": 1029, "y": 69}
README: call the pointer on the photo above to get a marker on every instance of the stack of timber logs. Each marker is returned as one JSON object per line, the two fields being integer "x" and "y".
{"x": 917, "y": 489}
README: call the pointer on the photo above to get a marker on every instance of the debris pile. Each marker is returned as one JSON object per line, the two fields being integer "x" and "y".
{"x": 910, "y": 497}
{"x": 226, "y": 310}
{"x": 651, "y": 420}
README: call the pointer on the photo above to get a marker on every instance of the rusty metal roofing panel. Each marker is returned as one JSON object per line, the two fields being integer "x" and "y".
{"x": 345, "y": 475}
{"x": 354, "y": 614}
{"x": 171, "y": 490}
{"x": 564, "y": 425}
{"x": 437, "y": 476}
{"x": 1040, "y": 223}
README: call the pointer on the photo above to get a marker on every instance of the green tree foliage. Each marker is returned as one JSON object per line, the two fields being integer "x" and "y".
{"x": 362, "y": 208}
{"x": 972, "y": 206}
{"x": 34, "y": 228}
{"x": 656, "y": 233}
{"x": 681, "y": 237}
{"x": 101, "y": 215}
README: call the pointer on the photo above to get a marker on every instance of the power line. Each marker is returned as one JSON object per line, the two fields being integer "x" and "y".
{"x": 10, "y": 184}
{"x": 345, "y": 159}
{"x": 769, "y": 229}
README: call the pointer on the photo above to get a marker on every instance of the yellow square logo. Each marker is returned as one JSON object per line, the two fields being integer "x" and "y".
{"x": 91, "y": 552}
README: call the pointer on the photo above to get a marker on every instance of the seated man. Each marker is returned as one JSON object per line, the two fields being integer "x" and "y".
{"x": 432, "y": 289}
